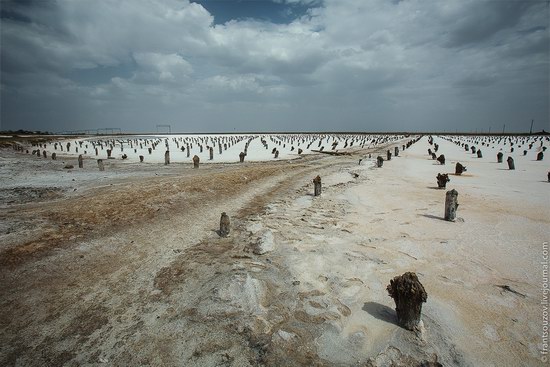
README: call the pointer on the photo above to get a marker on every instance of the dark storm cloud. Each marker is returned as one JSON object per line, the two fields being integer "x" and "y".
{"x": 480, "y": 20}
{"x": 310, "y": 65}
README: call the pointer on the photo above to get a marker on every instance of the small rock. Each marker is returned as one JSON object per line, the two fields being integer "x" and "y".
{"x": 264, "y": 243}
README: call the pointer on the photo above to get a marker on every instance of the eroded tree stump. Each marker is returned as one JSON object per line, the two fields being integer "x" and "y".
{"x": 408, "y": 294}
{"x": 317, "y": 186}
{"x": 451, "y": 205}
{"x": 441, "y": 159}
{"x": 511, "y": 164}
{"x": 442, "y": 180}
{"x": 459, "y": 168}
{"x": 225, "y": 225}
{"x": 540, "y": 156}
{"x": 196, "y": 161}
{"x": 379, "y": 161}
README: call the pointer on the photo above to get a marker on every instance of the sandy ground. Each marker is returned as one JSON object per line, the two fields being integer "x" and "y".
{"x": 125, "y": 268}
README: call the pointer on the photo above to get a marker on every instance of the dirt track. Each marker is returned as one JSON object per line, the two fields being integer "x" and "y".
{"x": 102, "y": 275}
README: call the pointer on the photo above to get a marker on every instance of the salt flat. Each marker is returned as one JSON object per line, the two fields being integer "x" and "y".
{"x": 124, "y": 267}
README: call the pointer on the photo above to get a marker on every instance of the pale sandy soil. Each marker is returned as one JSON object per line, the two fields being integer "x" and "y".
{"x": 128, "y": 268}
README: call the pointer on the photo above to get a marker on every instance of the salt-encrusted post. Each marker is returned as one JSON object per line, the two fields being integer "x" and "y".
{"x": 100, "y": 165}
{"x": 196, "y": 161}
{"x": 167, "y": 157}
{"x": 408, "y": 294}
{"x": 241, "y": 157}
{"x": 459, "y": 168}
{"x": 225, "y": 225}
{"x": 379, "y": 161}
{"x": 499, "y": 157}
{"x": 80, "y": 161}
{"x": 511, "y": 164}
{"x": 451, "y": 204}
{"x": 317, "y": 186}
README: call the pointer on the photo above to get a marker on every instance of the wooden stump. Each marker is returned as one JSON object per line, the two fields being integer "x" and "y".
{"x": 511, "y": 164}
{"x": 211, "y": 151}
{"x": 442, "y": 180}
{"x": 388, "y": 155}
{"x": 54, "y": 156}
{"x": 100, "y": 165}
{"x": 276, "y": 154}
{"x": 540, "y": 156}
{"x": 459, "y": 168}
{"x": 141, "y": 159}
{"x": 225, "y": 225}
{"x": 451, "y": 205}
{"x": 379, "y": 161}
{"x": 109, "y": 151}
{"x": 479, "y": 155}
{"x": 408, "y": 294}
{"x": 167, "y": 157}
{"x": 317, "y": 186}
{"x": 196, "y": 161}
{"x": 441, "y": 159}
{"x": 396, "y": 151}
{"x": 241, "y": 157}
{"x": 499, "y": 157}
{"x": 80, "y": 161}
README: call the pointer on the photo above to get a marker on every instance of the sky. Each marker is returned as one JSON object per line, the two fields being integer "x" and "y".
{"x": 275, "y": 65}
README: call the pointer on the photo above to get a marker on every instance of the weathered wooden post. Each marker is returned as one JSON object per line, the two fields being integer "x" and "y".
{"x": 109, "y": 153}
{"x": 276, "y": 154}
{"x": 196, "y": 161}
{"x": 511, "y": 164}
{"x": 100, "y": 165}
{"x": 141, "y": 159}
{"x": 45, "y": 154}
{"x": 548, "y": 176}
{"x": 479, "y": 154}
{"x": 80, "y": 161}
{"x": 167, "y": 157}
{"x": 442, "y": 180}
{"x": 499, "y": 157}
{"x": 441, "y": 159}
{"x": 150, "y": 150}
{"x": 379, "y": 161}
{"x": 408, "y": 294}
{"x": 459, "y": 168}
{"x": 225, "y": 225}
{"x": 388, "y": 155}
{"x": 54, "y": 156}
{"x": 396, "y": 151}
{"x": 241, "y": 157}
{"x": 540, "y": 156}
{"x": 317, "y": 186}
{"x": 451, "y": 205}
{"x": 211, "y": 151}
